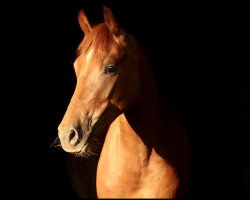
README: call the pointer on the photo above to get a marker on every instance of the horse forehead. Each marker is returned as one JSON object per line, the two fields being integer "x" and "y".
{"x": 100, "y": 51}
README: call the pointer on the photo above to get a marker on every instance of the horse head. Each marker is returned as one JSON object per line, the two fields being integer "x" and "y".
{"x": 108, "y": 83}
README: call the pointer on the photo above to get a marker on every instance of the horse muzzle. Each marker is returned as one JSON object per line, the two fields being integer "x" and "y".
{"x": 73, "y": 140}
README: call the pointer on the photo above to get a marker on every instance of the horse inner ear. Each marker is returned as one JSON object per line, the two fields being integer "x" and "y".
{"x": 84, "y": 22}
{"x": 110, "y": 21}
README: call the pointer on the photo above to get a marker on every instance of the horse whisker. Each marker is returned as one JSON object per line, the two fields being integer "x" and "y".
{"x": 56, "y": 143}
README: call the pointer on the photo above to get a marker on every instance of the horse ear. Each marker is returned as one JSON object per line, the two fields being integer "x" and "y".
{"x": 84, "y": 22}
{"x": 110, "y": 21}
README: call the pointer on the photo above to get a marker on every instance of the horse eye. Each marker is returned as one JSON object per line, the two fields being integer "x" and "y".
{"x": 111, "y": 69}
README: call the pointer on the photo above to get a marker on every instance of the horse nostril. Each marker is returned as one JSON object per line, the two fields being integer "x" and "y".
{"x": 72, "y": 134}
{"x": 73, "y": 137}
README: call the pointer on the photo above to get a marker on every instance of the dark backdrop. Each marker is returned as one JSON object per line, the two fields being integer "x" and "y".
{"x": 195, "y": 53}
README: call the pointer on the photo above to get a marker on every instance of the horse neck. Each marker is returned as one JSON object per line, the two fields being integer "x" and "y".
{"x": 146, "y": 115}
{"x": 148, "y": 99}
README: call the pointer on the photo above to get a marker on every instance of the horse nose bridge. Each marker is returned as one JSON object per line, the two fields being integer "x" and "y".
{"x": 73, "y": 124}
{"x": 70, "y": 121}
{"x": 71, "y": 117}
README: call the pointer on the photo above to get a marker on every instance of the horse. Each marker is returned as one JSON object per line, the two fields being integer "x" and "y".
{"x": 122, "y": 139}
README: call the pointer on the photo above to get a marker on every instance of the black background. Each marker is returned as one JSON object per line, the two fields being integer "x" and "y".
{"x": 197, "y": 55}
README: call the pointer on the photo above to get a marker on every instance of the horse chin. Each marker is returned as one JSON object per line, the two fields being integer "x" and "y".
{"x": 84, "y": 152}
{"x": 90, "y": 147}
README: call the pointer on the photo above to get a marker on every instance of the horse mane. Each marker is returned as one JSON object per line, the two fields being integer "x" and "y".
{"x": 99, "y": 39}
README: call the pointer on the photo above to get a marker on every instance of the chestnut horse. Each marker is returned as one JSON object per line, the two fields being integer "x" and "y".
{"x": 117, "y": 114}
